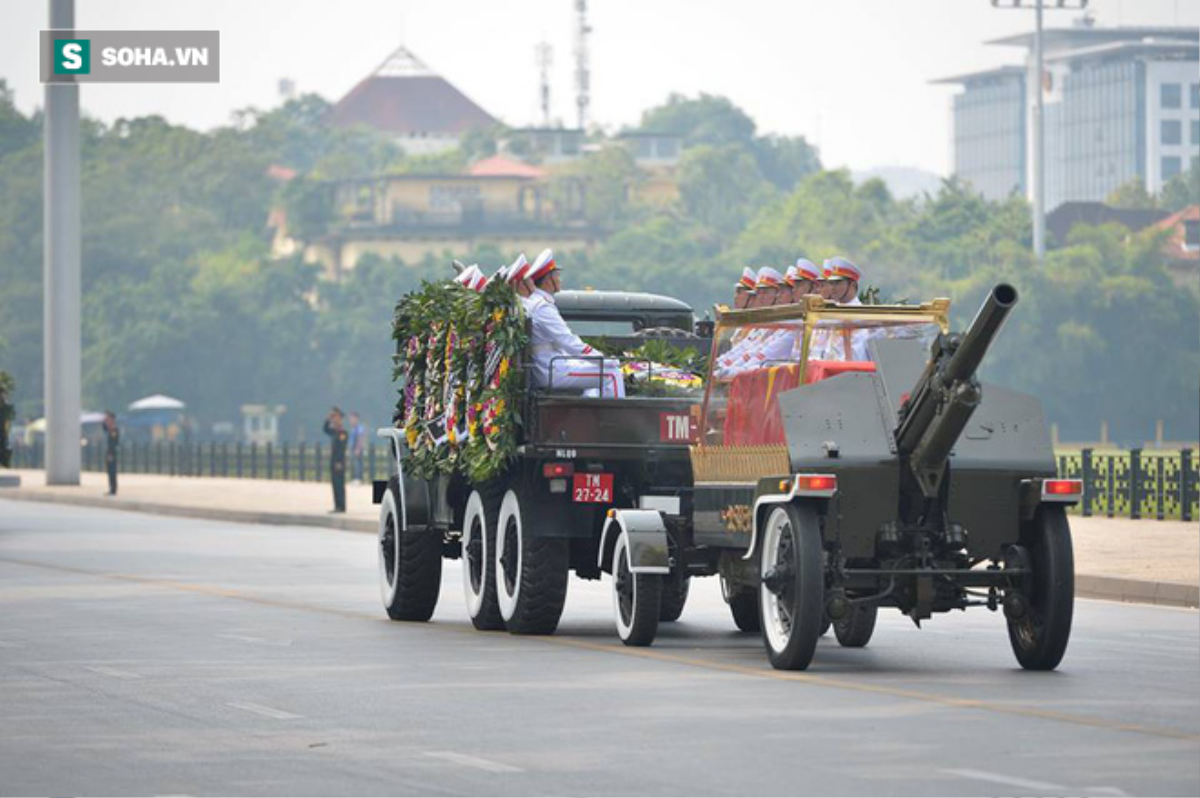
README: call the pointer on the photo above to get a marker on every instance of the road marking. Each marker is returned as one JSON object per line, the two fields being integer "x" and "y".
{"x": 1031, "y": 785}
{"x": 473, "y": 762}
{"x": 265, "y": 641}
{"x": 266, "y": 712}
{"x": 764, "y": 672}
{"x": 116, "y": 673}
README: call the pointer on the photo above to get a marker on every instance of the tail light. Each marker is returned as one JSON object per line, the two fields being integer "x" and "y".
{"x": 557, "y": 470}
{"x": 822, "y": 485}
{"x": 1062, "y": 489}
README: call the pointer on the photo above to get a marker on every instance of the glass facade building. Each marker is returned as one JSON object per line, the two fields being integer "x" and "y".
{"x": 1120, "y": 104}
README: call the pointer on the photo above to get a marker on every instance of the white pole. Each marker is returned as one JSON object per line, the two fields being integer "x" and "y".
{"x": 62, "y": 271}
{"x": 1039, "y": 152}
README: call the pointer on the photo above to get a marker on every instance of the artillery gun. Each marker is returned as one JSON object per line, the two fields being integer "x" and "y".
{"x": 827, "y": 487}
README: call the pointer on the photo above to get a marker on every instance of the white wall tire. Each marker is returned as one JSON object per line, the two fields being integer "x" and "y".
{"x": 410, "y": 564}
{"x": 637, "y": 599}
{"x": 479, "y": 582}
{"x": 792, "y": 586}
{"x": 530, "y": 572}
{"x": 388, "y": 548}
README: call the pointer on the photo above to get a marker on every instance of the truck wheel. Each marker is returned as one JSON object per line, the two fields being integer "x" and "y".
{"x": 743, "y": 605}
{"x": 531, "y": 573}
{"x": 637, "y": 599}
{"x": 793, "y": 586}
{"x": 674, "y": 597}
{"x": 1039, "y": 639}
{"x": 856, "y": 628}
{"x": 479, "y": 578}
{"x": 410, "y": 564}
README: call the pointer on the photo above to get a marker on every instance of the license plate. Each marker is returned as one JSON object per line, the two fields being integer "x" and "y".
{"x": 593, "y": 488}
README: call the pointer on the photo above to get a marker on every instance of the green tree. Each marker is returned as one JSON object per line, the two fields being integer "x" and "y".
{"x": 1183, "y": 189}
{"x": 708, "y": 119}
{"x": 1132, "y": 195}
{"x": 720, "y": 187}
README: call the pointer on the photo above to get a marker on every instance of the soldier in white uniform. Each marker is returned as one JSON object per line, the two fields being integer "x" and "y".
{"x": 743, "y": 354}
{"x": 841, "y": 286}
{"x": 743, "y": 292}
{"x": 560, "y": 358}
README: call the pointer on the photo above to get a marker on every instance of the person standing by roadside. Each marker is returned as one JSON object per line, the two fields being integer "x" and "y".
{"x": 358, "y": 443}
{"x": 338, "y": 437}
{"x": 112, "y": 440}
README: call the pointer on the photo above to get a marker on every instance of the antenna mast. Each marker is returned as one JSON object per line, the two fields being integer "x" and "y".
{"x": 582, "y": 72}
{"x": 545, "y": 58}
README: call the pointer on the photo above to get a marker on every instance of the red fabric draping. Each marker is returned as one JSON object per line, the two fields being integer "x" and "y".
{"x": 752, "y": 416}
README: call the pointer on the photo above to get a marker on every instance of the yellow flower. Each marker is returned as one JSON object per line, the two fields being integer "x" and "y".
{"x": 452, "y": 437}
{"x": 503, "y": 366}
{"x": 473, "y": 428}
{"x": 411, "y": 435}
{"x": 498, "y": 315}
{"x": 499, "y": 407}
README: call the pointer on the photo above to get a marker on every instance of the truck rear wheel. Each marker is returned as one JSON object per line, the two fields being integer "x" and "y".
{"x": 743, "y": 605}
{"x": 1039, "y": 639}
{"x": 674, "y": 597}
{"x": 479, "y": 566}
{"x": 410, "y": 564}
{"x": 637, "y": 599}
{"x": 531, "y": 572}
{"x": 854, "y": 630}
{"x": 792, "y": 586}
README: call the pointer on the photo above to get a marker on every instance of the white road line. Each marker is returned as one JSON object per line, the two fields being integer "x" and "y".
{"x": 1011, "y": 781}
{"x": 116, "y": 673}
{"x": 266, "y": 712}
{"x": 473, "y": 762}
{"x": 266, "y": 641}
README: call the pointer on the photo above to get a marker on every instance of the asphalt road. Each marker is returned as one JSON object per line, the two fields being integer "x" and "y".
{"x": 145, "y": 655}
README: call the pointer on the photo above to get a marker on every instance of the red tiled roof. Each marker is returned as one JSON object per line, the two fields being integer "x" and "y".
{"x": 1174, "y": 248}
{"x": 409, "y": 104}
{"x": 499, "y": 166}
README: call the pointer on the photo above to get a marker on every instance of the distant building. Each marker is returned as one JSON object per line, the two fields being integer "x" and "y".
{"x": 653, "y": 149}
{"x": 1120, "y": 104}
{"x": 1061, "y": 220}
{"x": 508, "y": 204}
{"x": 419, "y": 109}
{"x": 548, "y": 145}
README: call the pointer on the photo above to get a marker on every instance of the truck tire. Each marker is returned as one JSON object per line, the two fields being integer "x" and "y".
{"x": 479, "y": 566}
{"x": 637, "y": 599}
{"x": 1039, "y": 639}
{"x": 531, "y": 573}
{"x": 674, "y": 597}
{"x": 792, "y": 586}
{"x": 743, "y": 605}
{"x": 410, "y": 564}
{"x": 856, "y": 628}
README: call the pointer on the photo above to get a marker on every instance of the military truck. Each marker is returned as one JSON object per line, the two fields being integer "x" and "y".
{"x": 829, "y": 484}
{"x": 520, "y": 533}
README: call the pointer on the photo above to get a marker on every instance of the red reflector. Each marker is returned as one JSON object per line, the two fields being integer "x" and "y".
{"x": 1062, "y": 487}
{"x": 552, "y": 470}
{"x": 816, "y": 482}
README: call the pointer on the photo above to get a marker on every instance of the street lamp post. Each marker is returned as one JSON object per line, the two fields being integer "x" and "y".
{"x": 62, "y": 271}
{"x": 1039, "y": 153}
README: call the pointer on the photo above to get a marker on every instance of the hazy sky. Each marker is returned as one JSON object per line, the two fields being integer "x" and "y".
{"x": 851, "y": 75}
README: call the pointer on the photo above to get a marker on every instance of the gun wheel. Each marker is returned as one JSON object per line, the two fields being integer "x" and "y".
{"x": 1039, "y": 638}
{"x": 792, "y": 586}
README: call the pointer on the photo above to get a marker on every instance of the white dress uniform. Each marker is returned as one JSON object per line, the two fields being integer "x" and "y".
{"x": 560, "y": 358}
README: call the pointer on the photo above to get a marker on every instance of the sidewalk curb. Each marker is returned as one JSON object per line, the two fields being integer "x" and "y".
{"x": 1134, "y": 591}
{"x": 209, "y": 513}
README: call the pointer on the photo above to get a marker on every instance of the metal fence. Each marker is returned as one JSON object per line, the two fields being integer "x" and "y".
{"x": 290, "y": 461}
{"x": 1135, "y": 483}
{"x": 1126, "y": 484}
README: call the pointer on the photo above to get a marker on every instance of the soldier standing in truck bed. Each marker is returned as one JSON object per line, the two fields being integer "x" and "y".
{"x": 337, "y": 458}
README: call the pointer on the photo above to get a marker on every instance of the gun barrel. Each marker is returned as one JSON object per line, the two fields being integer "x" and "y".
{"x": 979, "y": 336}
